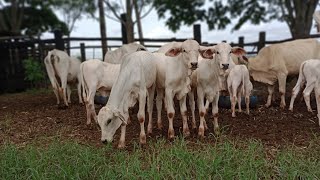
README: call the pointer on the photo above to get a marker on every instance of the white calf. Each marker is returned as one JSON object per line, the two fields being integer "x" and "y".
{"x": 308, "y": 73}
{"x": 173, "y": 78}
{"x": 239, "y": 84}
{"x": 63, "y": 70}
{"x": 216, "y": 60}
{"x": 136, "y": 81}
{"x": 96, "y": 75}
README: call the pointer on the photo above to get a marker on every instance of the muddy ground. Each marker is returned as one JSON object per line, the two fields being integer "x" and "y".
{"x": 35, "y": 118}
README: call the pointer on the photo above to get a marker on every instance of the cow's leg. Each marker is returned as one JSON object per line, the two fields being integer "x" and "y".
{"x": 170, "y": 111}
{"x": 69, "y": 93}
{"x": 239, "y": 101}
{"x": 215, "y": 111}
{"x": 202, "y": 111}
{"x": 247, "y": 101}
{"x": 64, "y": 90}
{"x": 184, "y": 114}
{"x": 142, "y": 114}
{"x": 159, "y": 101}
{"x": 232, "y": 100}
{"x": 306, "y": 94}
{"x": 295, "y": 92}
{"x": 79, "y": 93}
{"x": 192, "y": 107}
{"x": 122, "y": 137}
{"x": 56, "y": 92}
{"x": 270, "y": 94}
{"x": 282, "y": 89}
{"x": 150, "y": 107}
{"x": 92, "y": 111}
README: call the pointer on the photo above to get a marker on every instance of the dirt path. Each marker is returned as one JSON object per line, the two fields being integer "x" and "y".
{"x": 34, "y": 118}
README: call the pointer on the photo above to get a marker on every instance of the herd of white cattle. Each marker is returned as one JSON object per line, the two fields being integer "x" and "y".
{"x": 179, "y": 70}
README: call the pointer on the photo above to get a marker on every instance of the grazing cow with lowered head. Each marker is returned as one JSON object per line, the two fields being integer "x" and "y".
{"x": 136, "y": 82}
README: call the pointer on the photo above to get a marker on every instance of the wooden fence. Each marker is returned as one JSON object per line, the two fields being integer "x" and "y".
{"x": 14, "y": 50}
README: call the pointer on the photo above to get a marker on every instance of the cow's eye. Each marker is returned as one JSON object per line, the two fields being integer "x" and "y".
{"x": 108, "y": 121}
{"x": 184, "y": 50}
{"x": 217, "y": 52}
{"x": 230, "y": 52}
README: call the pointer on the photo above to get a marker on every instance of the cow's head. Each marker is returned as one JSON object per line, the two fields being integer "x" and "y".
{"x": 222, "y": 54}
{"x": 109, "y": 121}
{"x": 189, "y": 51}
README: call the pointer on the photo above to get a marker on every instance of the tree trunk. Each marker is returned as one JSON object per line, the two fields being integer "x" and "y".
{"x": 102, "y": 28}
{"x": 135, "y": 5}
{"x": 129, "y": 23}
{"x": 301, "y": 24}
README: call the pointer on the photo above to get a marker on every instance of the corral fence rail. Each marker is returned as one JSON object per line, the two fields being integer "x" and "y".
{"x": 15, "y": 49}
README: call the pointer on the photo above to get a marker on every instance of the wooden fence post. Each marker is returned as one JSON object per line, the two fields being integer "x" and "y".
{"x": 197, "y": 33}
{"x": 83, "y": 52}
{"x": 262, "y": 40}
{"x": 124, "y": 29}
{"x": 241, "y": 41}
{"x": 58, "y": 39}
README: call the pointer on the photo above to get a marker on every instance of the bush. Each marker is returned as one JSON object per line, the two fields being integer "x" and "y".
{"x": 33, "y": 72}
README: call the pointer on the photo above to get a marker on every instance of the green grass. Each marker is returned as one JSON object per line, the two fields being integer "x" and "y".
{"x": 160, "y": 160}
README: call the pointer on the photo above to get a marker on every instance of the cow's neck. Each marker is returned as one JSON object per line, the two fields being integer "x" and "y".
{"x": 119, "y": 94}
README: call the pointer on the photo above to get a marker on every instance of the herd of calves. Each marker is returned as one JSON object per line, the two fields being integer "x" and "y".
{"x": 180, "y": 69}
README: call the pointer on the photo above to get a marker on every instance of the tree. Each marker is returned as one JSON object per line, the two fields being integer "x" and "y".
{"x": 73, "y": 10}
{"x": 102, "y": 27}
{"x": 296, "y": 13}
{"x": 31, "y": 17}
{"x": 116, "y": 8}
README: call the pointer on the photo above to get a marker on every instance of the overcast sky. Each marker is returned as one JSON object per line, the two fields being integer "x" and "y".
{"x": 153, "y": 27}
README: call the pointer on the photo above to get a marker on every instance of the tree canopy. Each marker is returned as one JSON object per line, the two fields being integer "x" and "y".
{"x": 296, "y": 13}
{"x": 33, "y": 17}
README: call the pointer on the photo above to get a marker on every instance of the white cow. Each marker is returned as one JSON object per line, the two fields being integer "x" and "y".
{"x": 274, "y": 63}
{"x": 239, "y": 84}
{"x": 115, "y": 56}
{"x": 96, "y": 75}
{"x": 136, "y": 81}
{"x": 213, "y": 65}
{"x": 173, "y": 79}
{"x": 63, "y": 70}
{"x": 308, "y": 74}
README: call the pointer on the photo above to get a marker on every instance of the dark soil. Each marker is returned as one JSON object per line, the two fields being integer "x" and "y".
{"x": 35, "y": 118}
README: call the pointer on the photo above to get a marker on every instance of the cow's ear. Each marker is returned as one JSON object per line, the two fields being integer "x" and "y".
{"x": 245, "y": 58}
{"x": 120, "y": 116}
{"x": 173, "y": 52}
{"x": 238, "y": 51}
{"x": 207, "y": 53}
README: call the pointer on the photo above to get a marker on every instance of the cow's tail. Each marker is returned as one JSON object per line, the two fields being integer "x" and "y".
{"x": 243, "y": 78}
{"x": 84, "y": 86}
{"x": 51, "y": 71}
{"x": 301, "y": 79}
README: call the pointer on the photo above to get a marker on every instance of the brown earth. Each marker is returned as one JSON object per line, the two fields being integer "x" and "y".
{"x": 34, "y": 118}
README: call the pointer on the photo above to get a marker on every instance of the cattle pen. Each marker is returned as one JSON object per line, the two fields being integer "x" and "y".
{"x": 14, "y": 50}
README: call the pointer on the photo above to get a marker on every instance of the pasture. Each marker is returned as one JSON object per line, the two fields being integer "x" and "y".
{"x": 40, "y": 140}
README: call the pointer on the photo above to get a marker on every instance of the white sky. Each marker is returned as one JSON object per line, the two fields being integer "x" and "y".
{"x": 153, "y": 27}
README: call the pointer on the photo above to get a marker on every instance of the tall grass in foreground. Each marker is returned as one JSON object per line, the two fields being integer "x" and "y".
{"x": 160, "y": 160}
